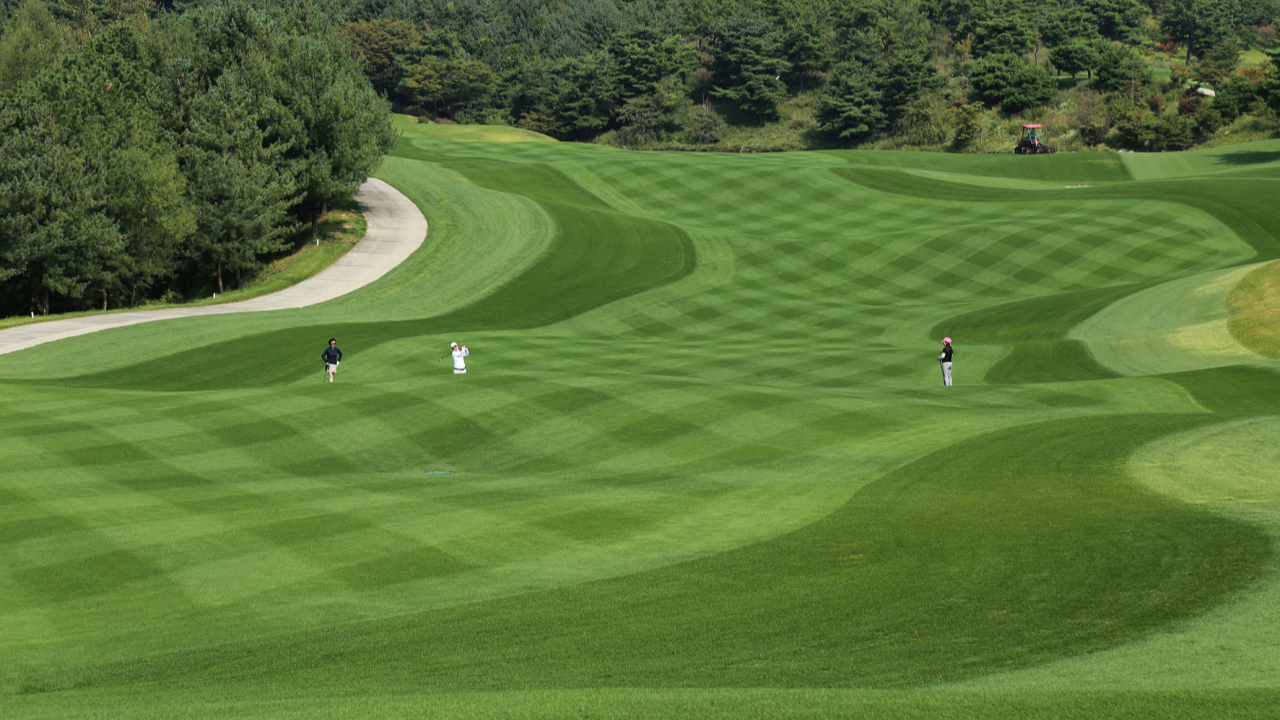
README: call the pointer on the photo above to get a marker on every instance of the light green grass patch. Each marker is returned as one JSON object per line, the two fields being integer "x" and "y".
{"x": 1253, "y": 58}
{"x": 1254, "y": 307}
{"x": 1176, "y": 326}
{"x": 410, "y": 127}
{"x": 1155, "y": 166}
{"x": 986, "y": 181}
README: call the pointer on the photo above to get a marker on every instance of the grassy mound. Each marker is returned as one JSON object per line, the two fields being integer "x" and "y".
{"x": 702, "y": 464}
{"x": 1255, "y": 311}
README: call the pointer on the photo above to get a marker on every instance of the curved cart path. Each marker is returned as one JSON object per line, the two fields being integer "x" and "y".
{"x": 396, "y": 227}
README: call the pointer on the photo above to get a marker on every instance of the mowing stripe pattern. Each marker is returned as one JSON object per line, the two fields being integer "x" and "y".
{"x": 702, "y": 449}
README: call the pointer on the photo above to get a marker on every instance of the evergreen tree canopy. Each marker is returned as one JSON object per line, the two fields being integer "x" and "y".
{"x": 29, "y": 45}
{"x": 1009, "y": 82}
{"x": 850, "y": 107}
{"x": 748, "y": 66}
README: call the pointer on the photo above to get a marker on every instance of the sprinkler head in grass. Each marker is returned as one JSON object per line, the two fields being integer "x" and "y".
{"x": 441, "y": 472}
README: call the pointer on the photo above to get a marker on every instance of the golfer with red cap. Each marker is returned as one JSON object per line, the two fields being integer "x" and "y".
{"x": 945, "y": 360}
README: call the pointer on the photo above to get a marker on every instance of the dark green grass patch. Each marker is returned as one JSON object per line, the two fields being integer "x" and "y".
{"x": 1039, "y": 318}
{"x": 83, "y": 577}
{"x": 1036, "y": 328}
{"x": 415, "y": 563}
{"x": 1237, "y": 390}
{"x": 730, "y": 704}
{"x": 996, "y": 553}
{"x": 1048, "y": 361}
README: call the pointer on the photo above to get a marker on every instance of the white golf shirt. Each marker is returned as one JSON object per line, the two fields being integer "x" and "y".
{"x": 458, "y": 354}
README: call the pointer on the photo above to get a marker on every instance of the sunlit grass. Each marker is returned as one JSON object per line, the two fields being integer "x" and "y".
{"x": 702, "y": 464}
{"x": 1255, "y": 311}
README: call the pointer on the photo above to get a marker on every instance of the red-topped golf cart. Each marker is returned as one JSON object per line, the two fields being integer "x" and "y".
{"x": 1029, "y": 143}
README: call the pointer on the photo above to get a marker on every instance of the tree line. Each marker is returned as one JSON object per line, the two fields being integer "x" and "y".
{"x": 149, "y": 151}
{"x": 641, "y": 72}
{"x": 160, "y": 148}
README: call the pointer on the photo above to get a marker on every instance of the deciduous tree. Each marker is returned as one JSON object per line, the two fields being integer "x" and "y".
{"x": 380, "y": 44}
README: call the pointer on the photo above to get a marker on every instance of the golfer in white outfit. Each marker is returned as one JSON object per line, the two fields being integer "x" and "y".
{"x": 459, "y": 365}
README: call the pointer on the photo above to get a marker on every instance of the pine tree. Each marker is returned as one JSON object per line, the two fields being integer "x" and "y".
{"x": 30, "y": 44}
{"x": 241, "y": 185}
{"x": 338, "y": 127}
{"x": 749, "y": 65}
{"x": 55, "y": 239}
{"x": 850, "y": 106}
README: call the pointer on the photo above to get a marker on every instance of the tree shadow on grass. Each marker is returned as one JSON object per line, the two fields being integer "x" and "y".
{"x": 1249, "y": 158}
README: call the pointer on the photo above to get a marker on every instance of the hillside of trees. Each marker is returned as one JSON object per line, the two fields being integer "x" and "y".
{"x": 150, "y": 151}
{"x": 164, "y": 148}
{"x": 845, "y": 73}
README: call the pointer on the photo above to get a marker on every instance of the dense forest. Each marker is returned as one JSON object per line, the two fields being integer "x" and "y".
{"x": 843, "y": 73}
{"x": 163, "y": 148}
{"x": 150, "y": 152}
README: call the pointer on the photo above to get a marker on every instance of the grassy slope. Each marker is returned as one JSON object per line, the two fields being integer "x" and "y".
{"x": 701, "y": 465}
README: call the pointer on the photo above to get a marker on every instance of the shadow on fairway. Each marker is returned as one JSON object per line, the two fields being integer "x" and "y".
{"x": 1037, "y": 329}
{"x": 1248, "y": 158}
{"x": 1236, "y": 390}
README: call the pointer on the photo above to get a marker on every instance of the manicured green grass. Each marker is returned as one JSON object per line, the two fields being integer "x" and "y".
{"x": 461, "y": 133}
{"x": 702, "y": 464}
{"x": 1253, "y": 58}
{"x": 1254, "y": 307}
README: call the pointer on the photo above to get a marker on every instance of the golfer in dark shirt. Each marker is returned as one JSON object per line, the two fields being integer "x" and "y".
{"x": 945, "y": 359}
{"x": 331, "y": 357}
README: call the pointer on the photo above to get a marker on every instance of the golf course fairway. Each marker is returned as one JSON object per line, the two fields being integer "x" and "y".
{"x": 702, "y": 465}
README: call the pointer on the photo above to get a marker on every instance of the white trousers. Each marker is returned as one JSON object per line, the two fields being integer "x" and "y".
{"x": 946, "y": 374}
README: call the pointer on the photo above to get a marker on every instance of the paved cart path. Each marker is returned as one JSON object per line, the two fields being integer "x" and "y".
{"x": 396, "y": 227}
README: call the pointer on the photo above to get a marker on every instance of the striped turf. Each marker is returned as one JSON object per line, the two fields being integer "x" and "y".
{"x": 702, "y": 465}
